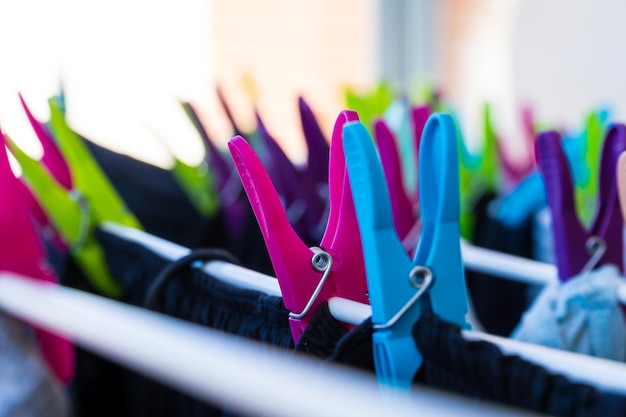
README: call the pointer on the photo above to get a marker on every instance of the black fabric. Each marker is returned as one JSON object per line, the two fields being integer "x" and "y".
{"x": 164, "y": 209}
{"x": 499, "y": 303}
{"x": 102, "y": 388}
{"x": 158, "y": 201}
{"x": 480, "y": 370}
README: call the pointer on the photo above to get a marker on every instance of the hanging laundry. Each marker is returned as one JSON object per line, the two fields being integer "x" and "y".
{"x": 582, "y": 315}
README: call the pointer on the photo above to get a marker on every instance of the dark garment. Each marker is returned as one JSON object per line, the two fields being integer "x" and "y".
{"x": 499, "y": 303}
{"x": 160, "y": 204}
{"x": 102, "y": 388}
{"x": 164, "y": 209}
{"x": 479, "y": 370}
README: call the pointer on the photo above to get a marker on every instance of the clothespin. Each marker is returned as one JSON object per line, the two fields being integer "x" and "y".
{"x": 397, "y": 285}
{"x": 370, "y": 104}
{"x": 587, "y": 188}
{"x": 54, "y": 162}
{"x": 307, "y": 275}
{"x": 22, "y": 253}
{"x": 305, "y": 206}
{"x": 579, "y": 250}
{"x": 404, "y": 217}
{"x": 196, "y": 181}
{"x": 229, "y": 189}
{"x": 513, "y": 172}
{"x": 398, "y": 118}
{"x": 317, "y": 146}
{"x": 77, "y": 211}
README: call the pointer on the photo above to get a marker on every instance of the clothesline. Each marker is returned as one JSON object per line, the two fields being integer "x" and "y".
{"x": 601, "y": 373}
{"x": 240, "y": 374}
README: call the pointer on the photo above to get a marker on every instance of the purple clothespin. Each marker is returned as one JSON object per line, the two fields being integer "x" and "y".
{"x": 305, "y": 206}
{"x": 577, "y": 249}
{"x": 317, "y": 145}
{"x": 229, "y": 114}
{"x": 231, "y": 197}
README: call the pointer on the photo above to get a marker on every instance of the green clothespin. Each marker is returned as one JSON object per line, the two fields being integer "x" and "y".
{"x": 196, "y": 181}
{"x": 587, "y": 188}
{"x": 477, "y": 173}
{"x": 72, "y": 216}
{"x": 87, "y": 175}
{"x": 370, "y": 104}
{"x": 75, "y": 213}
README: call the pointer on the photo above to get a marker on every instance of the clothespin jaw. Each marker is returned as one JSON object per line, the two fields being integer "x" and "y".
{"x": 490, "y": 162}
{"x": 307, "y": 276}
{"x": 87, "y": 176}
{"x": 305, "y": 206}
{"x": 318, "y": 149}
{"x": 229, "y": 189}
{"x": 395, "y": 282}
{"x": 370, "y": 104}
{"x": 52, "y": 158}
{"x": 22, "y": 253}
{"x": 401, "y": 205}
{"x": 577, "y": 249}
{"x": 71, "y": 214}
{"x": 196, "y": 181}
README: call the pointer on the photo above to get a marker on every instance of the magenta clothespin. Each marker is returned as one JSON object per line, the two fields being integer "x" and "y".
{"x": 401, "y": 205}
{"x": 308, "y": 276}
{"x": 52, "y": 157}
{"x": 515, "y": 171}
{"x": 577, "y": 249}
{"x": 419, "y": 117}
{"x": 22, "y": 253}
{"x": 55, "y": 163}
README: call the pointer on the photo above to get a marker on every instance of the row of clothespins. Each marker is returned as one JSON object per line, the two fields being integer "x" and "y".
{"x": 345, "y": 217}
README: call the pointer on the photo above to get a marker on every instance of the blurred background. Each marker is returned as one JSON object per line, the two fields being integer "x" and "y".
{"x": 125, "y": 64}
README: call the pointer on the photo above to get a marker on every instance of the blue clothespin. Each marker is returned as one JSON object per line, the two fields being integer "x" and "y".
{"x": 399, "y": 287}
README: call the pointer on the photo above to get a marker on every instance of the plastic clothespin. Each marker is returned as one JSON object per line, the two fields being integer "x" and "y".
{"x": 51, "y": 158}
{"x": 196, "y": 181}
{"x": 577, "y": 249}
{"x": 317, "y": 146}
{"x": 77, "y": 211}
{"x": 22, "y": 253}
{"x": 514, "y": 172}
{"x": 305, "y": 206}
{"x": 54, "y": 162}
{"x": 308, "y": 276}
{"x": 398, "y": 118}
{"x": 397, "y": 284}
{"x": 229, "y": 189}
{"x": 403, "y": 214}
{"x": 370, "y": 104}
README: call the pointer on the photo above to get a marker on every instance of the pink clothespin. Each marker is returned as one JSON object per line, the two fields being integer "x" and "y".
{"x": 401, "y": 204}
{"x": 308, "y": 276}
{"x": 55, "y": 163}
{"x": 21, "y": 252}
